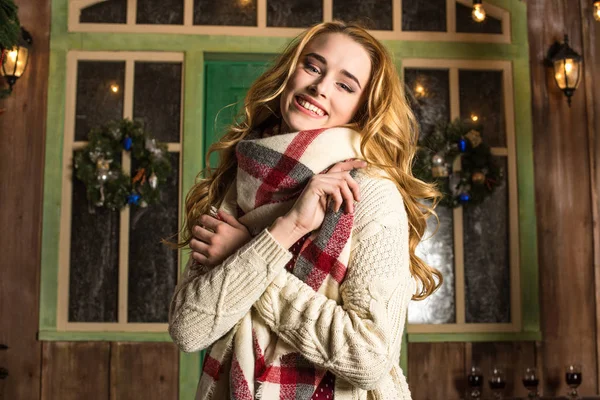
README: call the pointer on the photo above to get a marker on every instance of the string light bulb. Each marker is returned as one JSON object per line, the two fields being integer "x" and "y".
{"x": 478, "y": 12}
{"x": 597, "y": 10}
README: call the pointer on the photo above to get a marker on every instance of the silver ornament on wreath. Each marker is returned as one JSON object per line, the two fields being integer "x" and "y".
{"x": 439, "y": 168}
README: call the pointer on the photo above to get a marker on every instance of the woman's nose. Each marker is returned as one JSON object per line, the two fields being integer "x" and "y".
{"x": 319, "y": 88}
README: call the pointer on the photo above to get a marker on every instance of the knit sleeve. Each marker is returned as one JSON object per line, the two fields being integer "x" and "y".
{"x": 360, "y": 339}
{"x": 207, "y": 304}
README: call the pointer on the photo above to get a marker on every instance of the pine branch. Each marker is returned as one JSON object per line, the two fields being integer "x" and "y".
{"x": 10, "y": 26}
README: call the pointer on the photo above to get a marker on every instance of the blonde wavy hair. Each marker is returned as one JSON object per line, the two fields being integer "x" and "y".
{"x": 387, "y": 125}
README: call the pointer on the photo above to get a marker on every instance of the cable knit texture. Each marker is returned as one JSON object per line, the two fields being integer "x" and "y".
{"x": 357, "y": 338}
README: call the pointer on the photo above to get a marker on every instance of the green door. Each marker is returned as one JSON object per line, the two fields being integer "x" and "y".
{"x": 226, "y": 85}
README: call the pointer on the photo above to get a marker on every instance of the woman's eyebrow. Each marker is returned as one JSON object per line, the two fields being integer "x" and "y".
{"x": 322, "y": 59}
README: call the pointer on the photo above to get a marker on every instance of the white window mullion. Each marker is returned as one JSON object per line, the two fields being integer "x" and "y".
{"x": 397, "y": 16}
{"x": 188, "y": 12}
{"x": 131, "y": 12}
{"x": 261, "y": 8}
{"x": 459, "y": 262}
{"x": 124, "y": 223}
{"x": 327, "y": 10}
{"x": 451, "y": 16}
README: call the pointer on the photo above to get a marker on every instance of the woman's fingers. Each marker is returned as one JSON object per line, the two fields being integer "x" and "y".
{"x": 209, "y": 222}
{"x": 199, "y": 246}
{"x": 338, "y": 189}
{"x": 203, "y": 234}
{"x": 348, "y": 165}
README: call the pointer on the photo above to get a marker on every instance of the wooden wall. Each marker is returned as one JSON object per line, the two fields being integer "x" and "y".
{"x": 566, "y": 153}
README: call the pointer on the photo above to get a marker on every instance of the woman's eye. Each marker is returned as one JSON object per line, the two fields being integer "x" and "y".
{"x": 312, "y": 68}
{"x": 346, "y": 88}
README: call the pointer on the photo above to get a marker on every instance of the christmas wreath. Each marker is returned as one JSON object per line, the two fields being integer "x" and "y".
{"x": 98, "y": 166}
{"x": 479, "y": 173}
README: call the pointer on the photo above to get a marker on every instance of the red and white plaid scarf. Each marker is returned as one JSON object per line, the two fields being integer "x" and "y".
{"x": 250, "y": 361}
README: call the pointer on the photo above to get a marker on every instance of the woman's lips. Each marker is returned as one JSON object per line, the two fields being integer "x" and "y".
{"x": 307, "y": 112}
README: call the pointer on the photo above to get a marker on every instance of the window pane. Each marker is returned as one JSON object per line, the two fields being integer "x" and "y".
{"x": 100, "y": 86}
{"x": 438, "y": 252}
{"x": 225, "y": 12}
{"x": 482, "y": 94}
{"x": 153, "y": 265}
{"x": 294, "y": 13}
{"x": 157, "y": 99}
{"x": 94, "y": 263}
{"x": 429, "y": 94}
{"x": 466, "y": 24}
{"x": 108, "y": 12}
{"x": 487, "y": 271}
{"x": 419, "y": 15}
{"x": 373, "y": 14}
{"x": 167, "y": 12}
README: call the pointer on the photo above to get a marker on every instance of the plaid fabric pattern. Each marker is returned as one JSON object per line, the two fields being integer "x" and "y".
{"x": 272, "y": 172}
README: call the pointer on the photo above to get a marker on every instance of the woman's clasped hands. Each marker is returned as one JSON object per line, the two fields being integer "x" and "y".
{"x": 215, "y": 239}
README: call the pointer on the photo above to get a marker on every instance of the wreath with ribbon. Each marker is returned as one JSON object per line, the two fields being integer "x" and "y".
{"x": 98, "y": 166}
{"x": 479, "y": 174}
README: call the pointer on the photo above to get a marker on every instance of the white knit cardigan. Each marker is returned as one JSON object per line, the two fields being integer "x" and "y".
{"x": 375, "y": 294}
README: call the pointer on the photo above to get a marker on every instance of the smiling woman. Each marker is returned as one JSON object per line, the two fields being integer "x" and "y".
{"x": 325, "y": 89}
{"x": 299, "y": 285}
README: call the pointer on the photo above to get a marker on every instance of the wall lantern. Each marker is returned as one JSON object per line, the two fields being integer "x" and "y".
{"x": 597, "y": 10}
{"x": 567, "y": 64}
{"x": 15, "y": 60}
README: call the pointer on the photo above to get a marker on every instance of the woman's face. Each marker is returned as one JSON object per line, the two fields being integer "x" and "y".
{"x": 327, "y": 87}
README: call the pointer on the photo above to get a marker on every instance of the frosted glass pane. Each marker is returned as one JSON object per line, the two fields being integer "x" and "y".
{"x": 94, "y": 260}
{"x": 373, "y": 14}
{"x": 438, "y": 252}
{"x": 482, "y": 94}
{"x": 225, "y": 12}
{"x": 429, "y": 94}
{"x": 466, "y": 24}
{"x": 487, "y": 269}
{"x": 153, "y": 265}
{"x": 419, "y": 15}
{"x": 165, "y": 12}
{"x": 157, "y": 99}
{"x": 100, "y": 87}
{"x": 294, "y": 13}
{"x": 107, "y": 12}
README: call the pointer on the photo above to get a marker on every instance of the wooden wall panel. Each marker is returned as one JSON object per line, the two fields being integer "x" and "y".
{"x": 22, "y": 133}
{"x": 144, "y": 371}
{"x": 512, "y": 357}
{"x": 436, "y": 371}
{"x": 591, "y": 49}
{"x": 564, "y": 210}
{"x": 75, "y": 371}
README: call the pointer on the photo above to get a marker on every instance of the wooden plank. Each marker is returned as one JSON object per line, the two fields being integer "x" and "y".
{"x": 22, "y": 129}
{"x": 513, "y": 358}
{"x": 591, "y": 66}
{"x": 436, "y": 371}
{"x": 564, "y": 210}
{"x": 144, "y": 371}
{"x": 75, "y": 370}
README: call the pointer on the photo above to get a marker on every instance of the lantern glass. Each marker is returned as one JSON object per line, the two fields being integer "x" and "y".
{"x": 567, "y": 73}
{"x": 478, "y": 13}
{"x": 15, "y": 62}
{"x": 597, "y": 10}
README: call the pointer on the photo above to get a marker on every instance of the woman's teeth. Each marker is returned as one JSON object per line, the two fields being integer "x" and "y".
{"x": 311, "y": 107}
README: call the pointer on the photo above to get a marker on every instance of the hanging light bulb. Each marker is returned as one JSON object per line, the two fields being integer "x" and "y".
{"x": 478, "y": 12}
{"x": 597, "y": 10}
